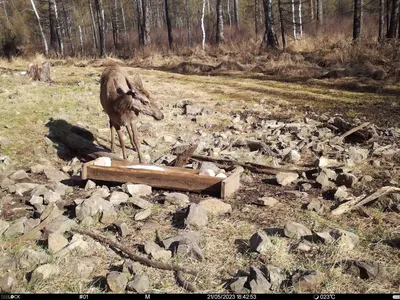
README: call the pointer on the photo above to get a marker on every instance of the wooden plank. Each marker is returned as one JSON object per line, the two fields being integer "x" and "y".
{"x": 177, "y": 180}
{"x": 183, "y": 154}
{"x": 84, "y": 169}
{"x": 231, "y": 184}
{"x": 167, "y": 169}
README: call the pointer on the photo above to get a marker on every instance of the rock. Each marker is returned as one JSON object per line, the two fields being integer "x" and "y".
{"x": 341, "y": 193}
{"x": 19, "y": 175}
{"x": 325, "y": 237}
{"x": 39, "y": 190}
{"x": 238, "y": 285}
{"x": 316, "y": 206}
{"x": 90, "y": 185}
{"x": 193, "y": 109}
{"x": 5, "y": 162}
{"x": 143, "y": 214}
{"x": 21, "y": 188}
{"x": 117, "y": 198}
{"x": 275, "y": 276}
{"x": 307, "y": 280}
{"x": 267, "y": 201}
{"x": 168, "y": 139}
{"x": 131, "y": 267}
{"x": 39, "y": 207}
{"x": 367, "y": 178}
{"x": 117, "y": 282}
{"x": 44, "y": 272}
{"x": 365, "y": 269}
{"x": 258, "y": 283}
{"x": 55, "y": 176}
{"x": 296, "y": 230}
{"x": 38, "y": 168}
{"x": 304, "y": 246}
{"x": 30, "y": 224}
{"x": 56, "y": 241}
{"x": 306, "y": 187}
{"x": 16, "y": 228}
{"x": 109, "y": 217}
{"x": 31, "y": 258}
{"x": 207, "y": 172}
{"x": 51, "y": 197}
{"x": 79, "y": 201}
{"x": 189, "y": 248}
{"x": 139, "y": 202}
{"x": 157, "y": 252}
{"x": 215, "y": 206}
{"x": 36, "y": 200}
{"x": 3, "y": 226}
{"x": 177, "y": 198}
{"x": 197, "y": 216}
{"x": 347, "y": 239}
{"x": 358, "y": 155}
{"x": 260, "y": 242}
{"x": 60, "y": 225}
{"x": 139, "y": 284}
{"x": 294, "y": 156}
{"x": 87, "y": 222}
{"x": 6, "y": 183}
{"x": 201, "y": 166}
{"x": 76, "y": 244}
{"x": 285, "y": 179}
{"x": 323, "y": 180}
{"x": 8, "y": 263}
{"x": 83, "y": 268}
{"x": 100, "y": 193}
{"x": 122, "y": 228}
{"x": 172, "y": 242}
{"x": 61, "y": 188}
{"x": 246, "y": 179}
{"x": 6, "y": 283}
{"x": 137, "y": 189}
{"x": 346, "y": 179}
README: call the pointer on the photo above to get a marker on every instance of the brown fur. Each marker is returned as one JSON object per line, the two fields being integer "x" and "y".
{"x": 123, "y": 99}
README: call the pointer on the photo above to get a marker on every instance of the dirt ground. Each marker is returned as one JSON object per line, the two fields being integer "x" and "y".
{"x": 26, "y": 108}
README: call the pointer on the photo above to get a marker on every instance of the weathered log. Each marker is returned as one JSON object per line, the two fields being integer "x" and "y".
{"x": 39, "y": 72}
{"x": 183, "y": 154}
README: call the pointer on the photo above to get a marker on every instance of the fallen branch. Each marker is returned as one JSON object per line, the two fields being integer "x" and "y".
{"x": 143, "y": 260}
{"x": 227, "y": 148}
{"x": 50, "y": 218}
{"x": 256, "y": 168}
{"x": 184, "y": 283}
{"x": 359, "y": 202}
{"x": 183, "y": 154}
{"x": 347, "y": 133}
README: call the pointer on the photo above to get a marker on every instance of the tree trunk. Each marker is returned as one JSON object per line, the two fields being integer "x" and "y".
{"x": 394, "y": 18}
{"x": 146, "y": 22}
{"x": 300, "y": 19}
{"x": 101, "y": 21}
{"x": 312, "y": 9}
{"x": 68, "y": 28}
{"x": 189, "y": 31}
{"x": 269, "y": 40}
{"x": 228, "y": 8}
{"x": 114, "y": 23}
{"x": 139, "y": 6}
{"x": 282, "y": 25}
{"x": 169, "y": 26}
{"x": 93, "y": 26}
{"x": 320, "y": 12}
{"x": 256, "y": 16}
{"x": 220, "y": 23}
{"x": 46, "y": 48}
{"x": 124, "y": 23}
{"x": 294, "y": 21}
{"x": 387, "y": 15}
{"x": 236, "y": 12}
{"x": 53, "y": 27}
{"x": 81, "y": 38}
{"x": 5, "y": 11}
{"x": 381, "y": 20}
{"x": 203, "y": 44}
{"x": 357, "y": 20}
{"x": 58, "y": 30}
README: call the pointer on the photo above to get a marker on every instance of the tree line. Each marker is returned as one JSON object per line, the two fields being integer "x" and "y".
{"x": 101, "y": 27}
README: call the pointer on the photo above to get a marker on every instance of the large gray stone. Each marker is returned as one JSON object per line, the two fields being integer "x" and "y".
{"x": 51, "y": 197}
{"x": 83, "y": 268}
{"x": 7, "y": 282}
{"x": 117, "y": 198}
{"x": 3, "y": 226}
{"x": 6, "y": 183}
{"x": 44, "y": 272}
{"x": 137, "y": 189}
{"x": 56, "y": 241}
{"x": 16, "y": 228}
{"x": 177, "y": 198}
{"x": 19, "y": 175}
{"x": 143, "y": 214}
{"x": 285, "y": 179}
{"x": 117, "y": 282}
{"x": 215, "y": 206}
{"x": 258, "y": 283}
{"x": 55, "y": 176}
{"x": 23, "y": 187}
{"x": 260, "y": 242}
{"x": 307, "y": 280}
{"x": 197, "y": 216}
{"x": 31, "y": 258}
{"x": 139, "y": 202}
{"x": 275, "y": 275}
{"x": 139, "y": 284}
{"x": 60, "y": 225}
{"x": 296, "y": 230}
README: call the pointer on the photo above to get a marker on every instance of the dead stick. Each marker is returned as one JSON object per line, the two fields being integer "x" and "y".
{"x": 184, "y": 283}
{"x": 257, "y": 168}
{"x": 138, "y": 258}
{"x": 31, "y": 233}
{"x": 347, "y": 133}
{"x": 359, "y": 202}
{"x": 227, "y": 148}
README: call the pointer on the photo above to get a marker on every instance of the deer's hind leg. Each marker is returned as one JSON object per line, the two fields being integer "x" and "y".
{"x": 112, "y": 131}
{"x": 121, "y": 140}
{"x": 133, "y": 135}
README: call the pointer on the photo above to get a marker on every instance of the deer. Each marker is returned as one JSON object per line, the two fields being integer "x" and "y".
{"x": 123, "y": 99}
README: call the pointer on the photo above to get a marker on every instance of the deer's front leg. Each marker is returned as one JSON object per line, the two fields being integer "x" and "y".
{"x": 135, "y": 142}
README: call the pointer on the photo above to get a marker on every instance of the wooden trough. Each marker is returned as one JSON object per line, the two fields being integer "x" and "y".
{"x": 171, "y": 178}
